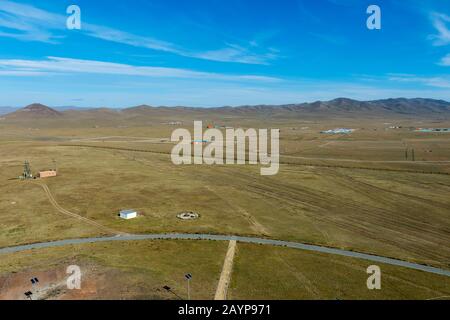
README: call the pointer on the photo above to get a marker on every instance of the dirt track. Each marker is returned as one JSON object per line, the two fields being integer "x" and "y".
{"x": 225, "y": 277}
{"x": 74, "y": 215}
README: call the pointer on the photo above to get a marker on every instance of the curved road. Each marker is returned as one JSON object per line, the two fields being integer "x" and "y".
{"x": 184, "y": 236}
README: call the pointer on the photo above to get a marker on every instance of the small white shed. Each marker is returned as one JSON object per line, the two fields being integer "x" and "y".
{"x": 128, "y": 214}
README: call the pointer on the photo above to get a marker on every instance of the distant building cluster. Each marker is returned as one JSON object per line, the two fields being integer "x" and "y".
{"x": 338, "y": 131}
{"x": 432, "y": 130}
{"x": 174, "y": 123}
{"x": 200, "y": 142}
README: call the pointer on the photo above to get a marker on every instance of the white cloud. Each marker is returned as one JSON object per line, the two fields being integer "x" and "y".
{"x": 231, "y": 53}
{"x": 58, "y": 65}
{"x": 28, "y": 23}
{"x": 440, "y": 22}
{"x": 118, "y": 36}
{"x": 445, "y": 61}
{"x": 236, "y": 53}
{"x": 21, "y": 73}
{"x": 437, "y": 82}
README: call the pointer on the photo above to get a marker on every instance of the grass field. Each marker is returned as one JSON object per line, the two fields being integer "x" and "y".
{"x": 126, "y": 270}
{"x": 356, "y": 192}
{"x": 263, "y": 272}
{"x": 140, "y": 270}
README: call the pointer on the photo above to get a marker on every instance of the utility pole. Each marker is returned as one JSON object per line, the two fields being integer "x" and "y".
{"x": 169, "y": 289}
{"x": 27, "y": 171}
{"x": 413, "y": 156}
{"x": 188, "y": 277}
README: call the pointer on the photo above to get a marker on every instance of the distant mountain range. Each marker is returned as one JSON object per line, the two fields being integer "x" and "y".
{"x": 402, "y": 106}
{"x": 336, "y": 107}
{"x": 6, "y": 110}
{"x": 35, "y": 110}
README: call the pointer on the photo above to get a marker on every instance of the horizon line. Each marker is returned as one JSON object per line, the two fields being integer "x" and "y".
{"x": 223, "y": 106}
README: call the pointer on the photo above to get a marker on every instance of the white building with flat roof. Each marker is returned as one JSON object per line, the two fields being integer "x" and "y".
{"x": 128, "y": 214}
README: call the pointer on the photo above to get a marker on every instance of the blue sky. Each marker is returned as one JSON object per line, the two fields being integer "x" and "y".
{"x": 216, "y": 52}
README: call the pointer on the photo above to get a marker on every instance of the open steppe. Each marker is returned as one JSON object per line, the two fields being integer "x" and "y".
{"x": 358, "y": 192}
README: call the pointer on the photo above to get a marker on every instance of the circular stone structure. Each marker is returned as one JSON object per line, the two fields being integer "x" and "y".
{"x": 188, "y": 215}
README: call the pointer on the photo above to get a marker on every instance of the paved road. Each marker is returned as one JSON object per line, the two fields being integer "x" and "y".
{"x": 184, "y": 236}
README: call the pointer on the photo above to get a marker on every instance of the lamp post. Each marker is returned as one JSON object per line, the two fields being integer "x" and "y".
{"x": 188, "y": 277}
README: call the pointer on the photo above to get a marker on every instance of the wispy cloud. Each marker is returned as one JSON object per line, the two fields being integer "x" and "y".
{"x": 28, "y": 23}
{"x": 21, "y": 73}
{"x": 114, "y": 35}
{"x": 236, "y": 53}
{"x": 440, "y": 22}
{"x": 445, "y": 61}
{"x": 58, "y": 65}
{"x": 437, "y": 82}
